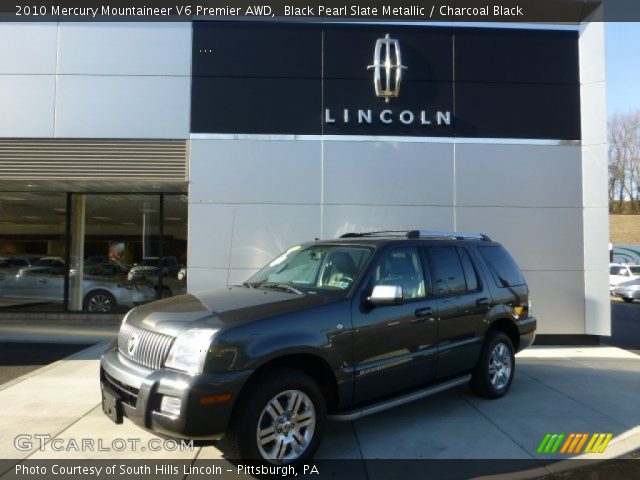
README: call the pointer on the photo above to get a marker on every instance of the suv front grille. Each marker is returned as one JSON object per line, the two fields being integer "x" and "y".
{"x": 144, "y": 347}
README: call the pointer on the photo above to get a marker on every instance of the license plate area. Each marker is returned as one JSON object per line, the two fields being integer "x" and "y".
{"x": 111, "y": 404}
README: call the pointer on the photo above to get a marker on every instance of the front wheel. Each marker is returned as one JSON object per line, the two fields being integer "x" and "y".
{"x": 493, "y": 374}
{"x": 279, "y": 419}
{"x": 99, "y": 301}
{"x": 627, "y": 299}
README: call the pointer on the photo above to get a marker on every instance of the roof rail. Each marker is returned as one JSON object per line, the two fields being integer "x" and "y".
{"x": 448, "y": 234}
{"x": 415, "y": 234}
{"x": 380, "y": 233}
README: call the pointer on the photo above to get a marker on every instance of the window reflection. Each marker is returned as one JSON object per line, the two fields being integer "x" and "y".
{"x": 118, "y": 238}
{"x": 32, "y": 249}
{"x": 116, "y": 258}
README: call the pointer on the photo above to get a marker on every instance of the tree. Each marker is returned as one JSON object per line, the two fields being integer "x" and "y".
{"x": 624, "y": 163}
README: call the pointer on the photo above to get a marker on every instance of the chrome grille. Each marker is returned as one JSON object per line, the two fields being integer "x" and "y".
{"x": 151, "y": 348}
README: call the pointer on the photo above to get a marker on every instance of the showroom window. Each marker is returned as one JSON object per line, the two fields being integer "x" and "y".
{"x": 94, "y": 252}
{"x": 32, "y": 251}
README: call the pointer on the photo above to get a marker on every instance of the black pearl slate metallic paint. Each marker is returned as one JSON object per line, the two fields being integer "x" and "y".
{"x": 365, "y": 352}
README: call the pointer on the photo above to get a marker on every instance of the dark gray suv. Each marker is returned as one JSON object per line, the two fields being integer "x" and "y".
{"x": 334, "y": 329}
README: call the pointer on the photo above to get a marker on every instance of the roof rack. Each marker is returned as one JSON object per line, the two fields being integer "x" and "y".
{"x": 380, "y": 233}
{"x": 416, "y": 234}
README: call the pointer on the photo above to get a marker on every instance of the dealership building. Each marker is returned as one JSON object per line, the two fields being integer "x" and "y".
{"x": 214, "y": 145}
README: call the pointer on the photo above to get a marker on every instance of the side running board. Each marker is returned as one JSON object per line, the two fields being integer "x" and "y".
{"x": 397, "y": 401}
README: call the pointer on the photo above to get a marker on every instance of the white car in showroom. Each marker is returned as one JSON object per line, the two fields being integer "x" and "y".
{"x": 622, "y": 272}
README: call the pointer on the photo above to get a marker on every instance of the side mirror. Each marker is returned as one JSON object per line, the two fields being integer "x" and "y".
{"x": 385, "y": 295}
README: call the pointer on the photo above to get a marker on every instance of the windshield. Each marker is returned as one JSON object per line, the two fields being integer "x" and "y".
{"x": 635, "y": 270}
{"x": 314, "y": 268}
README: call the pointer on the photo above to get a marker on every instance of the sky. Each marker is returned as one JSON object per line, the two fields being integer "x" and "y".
{"x": 622, "y": 42}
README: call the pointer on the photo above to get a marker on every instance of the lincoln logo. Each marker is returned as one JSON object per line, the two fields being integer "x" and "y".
{"x": 387, "y": 85}
{"x": 387, "y": 74}
{"x": 132, "y": 344}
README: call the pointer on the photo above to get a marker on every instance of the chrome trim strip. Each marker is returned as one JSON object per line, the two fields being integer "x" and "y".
{"x": 459, "y": 343}
{"x": 379, "y": 407}
{"x": 383, "y": 138}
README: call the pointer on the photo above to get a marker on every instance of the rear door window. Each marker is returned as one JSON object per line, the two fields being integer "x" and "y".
{"x": 447, "y": 274}
{"x": 503, "y": 268}
{"x": 469, "y": 271}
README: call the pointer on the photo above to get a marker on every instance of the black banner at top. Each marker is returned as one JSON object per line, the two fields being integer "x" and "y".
{"x": 564, "y": 11}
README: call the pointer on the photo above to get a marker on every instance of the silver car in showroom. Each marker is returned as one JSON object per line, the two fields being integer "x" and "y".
{"x": 103, "y": 288}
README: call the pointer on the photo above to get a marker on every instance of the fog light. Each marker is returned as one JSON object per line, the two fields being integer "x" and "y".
{"x": 170, "y": 405}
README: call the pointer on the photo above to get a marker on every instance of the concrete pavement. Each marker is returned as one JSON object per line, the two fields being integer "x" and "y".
{"x": 568, "y": 389}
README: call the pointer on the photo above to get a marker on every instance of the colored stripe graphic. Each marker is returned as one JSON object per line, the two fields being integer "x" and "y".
{"x": 568, "y": 442}
{"x": 573, "y": 442}
{"x": 543, "y": 443}
{"x": 584, "y": 439}
{"x": 598, "y": 443}
{"x": 551, "y": 442}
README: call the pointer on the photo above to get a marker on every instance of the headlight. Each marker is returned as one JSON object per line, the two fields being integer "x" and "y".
{"x": 190, "y": 349}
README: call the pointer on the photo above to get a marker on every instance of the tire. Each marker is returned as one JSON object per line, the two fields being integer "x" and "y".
{"x": 99, "y": 301}
{"x": 627, "y": 299}
{"x": 257, "y": 411}
{"x": 497, "y": 348}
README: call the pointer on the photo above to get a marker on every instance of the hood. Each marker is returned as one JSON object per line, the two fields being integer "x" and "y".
{"x": 221, "y": 308}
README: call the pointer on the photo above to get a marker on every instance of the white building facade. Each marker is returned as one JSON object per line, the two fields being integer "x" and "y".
{"x": 226, "y": 157}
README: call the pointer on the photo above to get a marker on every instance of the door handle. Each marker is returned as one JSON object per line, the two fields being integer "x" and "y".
{"x": 482, "y": 302}
{"x": 43, "y": 280}
{"x": 424, "y": 312}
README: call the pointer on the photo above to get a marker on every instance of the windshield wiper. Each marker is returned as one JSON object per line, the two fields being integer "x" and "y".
{"x": 248, "y": 285}
{"x": 281, "y": 286}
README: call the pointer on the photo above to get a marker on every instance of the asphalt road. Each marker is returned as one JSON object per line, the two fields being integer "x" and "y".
{"x": 17, "y": 359}
{"x": 625, "y": 326}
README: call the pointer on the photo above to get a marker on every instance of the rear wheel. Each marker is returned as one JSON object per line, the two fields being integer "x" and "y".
{"x": 627, "y": 299}
{"x": 279, "y": 419}
{"x": 493, "y": 374}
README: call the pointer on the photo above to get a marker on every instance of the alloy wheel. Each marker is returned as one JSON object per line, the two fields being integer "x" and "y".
{"x": 100, "y": 303}
{"x": 500, "y": 366}
{"x": 286, "y": 426}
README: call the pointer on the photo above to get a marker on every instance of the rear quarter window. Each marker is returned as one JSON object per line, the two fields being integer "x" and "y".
{"x": 504, "y": 269}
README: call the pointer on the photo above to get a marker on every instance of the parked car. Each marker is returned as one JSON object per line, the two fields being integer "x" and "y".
{"x": 52, "y": 265}
{"x": 622, "y": 272}
{"x": 8, "y": 264}
{"x": 100, "y": 293}
{"x": 149, "y": 270}
{"x": 334, "y": 329}
{"x": 628, "y": 291}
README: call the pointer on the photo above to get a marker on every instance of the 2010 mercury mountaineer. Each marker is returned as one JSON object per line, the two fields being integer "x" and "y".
{"x": 329, "y": 329}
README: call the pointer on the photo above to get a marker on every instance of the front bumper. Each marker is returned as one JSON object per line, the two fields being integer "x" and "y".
{"x": 141, "y": 393}
{"x": 527, "y": 329}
